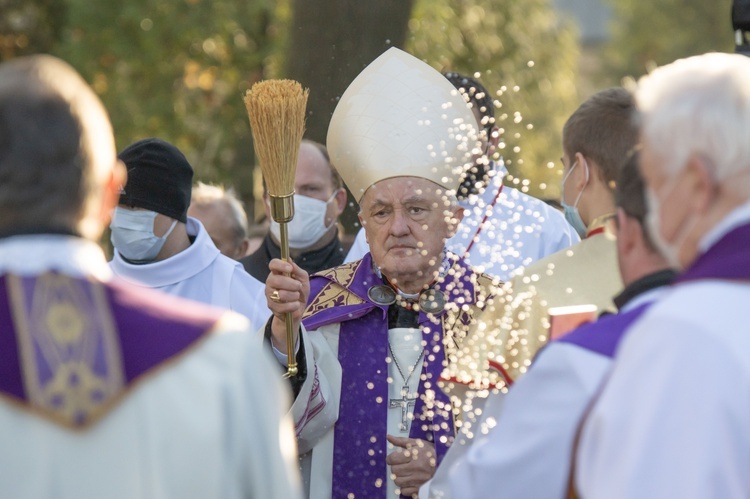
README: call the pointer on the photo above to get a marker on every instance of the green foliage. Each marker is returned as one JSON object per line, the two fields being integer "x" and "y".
{"x": 526, "y": 57}
{"x": 649, "y": 34}
{"x": 176, "y": 69}
{"x": 30, "y": 26}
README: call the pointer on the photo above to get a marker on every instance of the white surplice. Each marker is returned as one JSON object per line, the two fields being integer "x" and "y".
{"x": 203, "y": 274}
{"x": 201, "y": 425}
{"x": 519, "y": 229}
{"x": 525, "y": 447}
{"x": 672, "y": 420}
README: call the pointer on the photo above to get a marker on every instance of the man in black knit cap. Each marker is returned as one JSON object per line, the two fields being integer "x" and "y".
{"x": 157, "y": 245}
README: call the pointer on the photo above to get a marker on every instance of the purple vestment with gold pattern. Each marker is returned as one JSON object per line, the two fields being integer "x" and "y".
{"x": 71, "y": 347}
{"x": 340, "y": 295}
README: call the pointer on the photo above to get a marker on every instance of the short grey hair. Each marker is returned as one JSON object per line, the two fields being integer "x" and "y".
{"x": 699, "y": 106}
{"x": 207, "y": 194}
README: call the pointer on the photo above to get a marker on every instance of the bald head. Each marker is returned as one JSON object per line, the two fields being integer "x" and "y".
{"x": 57, "y": 150}
{"x": 223, "y": 217}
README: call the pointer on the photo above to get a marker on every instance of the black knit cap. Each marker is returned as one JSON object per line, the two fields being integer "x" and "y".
{"x": 160, "y": 178}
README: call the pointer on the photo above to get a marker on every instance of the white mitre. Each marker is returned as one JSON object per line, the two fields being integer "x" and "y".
{"x": 400, "y": 117}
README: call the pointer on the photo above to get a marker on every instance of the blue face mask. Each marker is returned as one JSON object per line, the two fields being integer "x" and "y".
{"x": 571, "y": 212}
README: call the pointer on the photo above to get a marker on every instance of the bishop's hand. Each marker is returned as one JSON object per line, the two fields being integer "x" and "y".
{"x": 286, "y": 294}
{"x": 412, "y": 463}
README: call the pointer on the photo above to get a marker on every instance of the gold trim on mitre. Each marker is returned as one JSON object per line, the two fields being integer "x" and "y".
{"x": 400, "y": 117}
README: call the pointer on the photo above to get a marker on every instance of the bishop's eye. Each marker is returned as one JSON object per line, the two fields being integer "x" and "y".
{"x": 380, "y": 214}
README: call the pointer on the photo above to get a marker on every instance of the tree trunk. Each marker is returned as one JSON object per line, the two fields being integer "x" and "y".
{"x": 331, "y": 42}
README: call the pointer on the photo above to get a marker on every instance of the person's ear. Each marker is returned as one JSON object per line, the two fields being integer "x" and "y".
{"x": 266, "y": 206}
{"x": 340, "y": 201}
{"x": 702, "y": 188}
{"x": 493, "y": 139}
{"x": 584, "y": 174}
{"x": 116, "y": 179}
{"x": 363, "y": 224}
{"x": 242, "y": 248}
{"x": 456, "y": 215}
{"x": 629, "y": 232}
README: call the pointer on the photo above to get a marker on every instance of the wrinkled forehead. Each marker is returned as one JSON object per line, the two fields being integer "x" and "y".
{"x": 397, "y": 190}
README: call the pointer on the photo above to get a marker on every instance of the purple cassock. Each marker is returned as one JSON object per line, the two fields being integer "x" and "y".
{"x": 340, "y": 295}
{"x": 71, "y": 347}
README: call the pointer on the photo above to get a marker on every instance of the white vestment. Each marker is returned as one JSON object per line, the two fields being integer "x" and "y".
{"x": 201, "y": 425}
{"x": 672, "y": 420}
{"x": 407, "y": 352}
{"x": 518, "y": 230}
{"x": 203, "y": 274}
{"x": 524, "y": 446}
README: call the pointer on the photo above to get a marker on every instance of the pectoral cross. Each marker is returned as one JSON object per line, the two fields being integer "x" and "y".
{"x": 406, "y": 402}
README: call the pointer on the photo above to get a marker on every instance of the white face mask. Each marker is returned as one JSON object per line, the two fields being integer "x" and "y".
{"x": 653, "y": 224}
{"x": 308, "y": 224}
{"x": 133, "y": 234}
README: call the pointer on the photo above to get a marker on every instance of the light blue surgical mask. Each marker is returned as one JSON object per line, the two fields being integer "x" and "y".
{"x": 133, "y": 234}
{"x": 571, "y": 212}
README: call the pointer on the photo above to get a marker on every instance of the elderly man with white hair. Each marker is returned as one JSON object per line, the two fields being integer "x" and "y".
{"x": 380, "y": 333}
{"x": 672, "y": 421}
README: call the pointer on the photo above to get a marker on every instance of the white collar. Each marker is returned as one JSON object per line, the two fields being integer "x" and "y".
{"x": 174, "y": 269}
{"x": 39, "y": 253}
{"x": 735, "y": 218}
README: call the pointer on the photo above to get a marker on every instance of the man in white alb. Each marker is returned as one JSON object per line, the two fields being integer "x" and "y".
{"x": 108, "y": 389}
{"x": 524, "y": 446}
{"x": 672, "y": 420}
{"x": 158, "y": 246}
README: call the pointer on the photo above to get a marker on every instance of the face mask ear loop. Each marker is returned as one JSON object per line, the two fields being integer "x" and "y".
{"x": 565, "y": 179}
{"x": 586, "y": 166}
{"x": 165, "y": 236}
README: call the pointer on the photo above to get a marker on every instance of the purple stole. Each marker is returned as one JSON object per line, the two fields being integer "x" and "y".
{"x": 340, "y": 296}
{"x": 71, "y": 347}
{"x": 728, "y": 259}
{"x": 603, "y": 335}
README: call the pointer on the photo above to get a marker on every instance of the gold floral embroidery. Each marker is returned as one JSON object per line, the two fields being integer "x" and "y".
{"x": 343, "y": 274}
{"x": 68, "y": 344}
{"x": 332, "y": 295}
